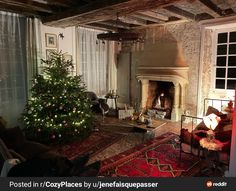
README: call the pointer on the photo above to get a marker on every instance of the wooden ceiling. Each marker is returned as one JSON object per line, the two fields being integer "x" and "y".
{"x": 119, "y": 14}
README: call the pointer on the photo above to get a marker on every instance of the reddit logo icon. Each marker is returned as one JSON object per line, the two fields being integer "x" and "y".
{"x": 209, "y": 184}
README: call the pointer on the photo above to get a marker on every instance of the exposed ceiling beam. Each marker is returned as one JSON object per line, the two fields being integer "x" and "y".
{"x": 145, "y": 17}
{"x": 171, "y": 21}
{"x": 88, "y": 10}
{"x": 204, "y": 8}
{"x": 29, "y": 4}
{"x": 180, "y": 12}
{"x": 215, "y": 8}
{"x": 232, "y": 4}
{"x": 155, "y": 15}
{"x": 100, "y": 26}
{"x": 16, "y": 9}
{"x": 102, "y": 10}
{"x": 132, "y": 20}
{"x": 116, "y": 24}
{"x": 64, "y": 3}
{"x": 203, "y": 16}
{"x": 60, "y": 2}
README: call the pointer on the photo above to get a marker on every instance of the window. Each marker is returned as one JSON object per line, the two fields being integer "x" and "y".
{"x": 95, "y": 60}
{"x": 225, "y": 73}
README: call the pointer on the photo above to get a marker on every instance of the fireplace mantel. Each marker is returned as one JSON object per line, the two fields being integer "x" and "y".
{"x": 164, "y": 77}
{"x": 177, "y": 75}
{"x": 164, "y": 67}
{"x": 172, "y": 73}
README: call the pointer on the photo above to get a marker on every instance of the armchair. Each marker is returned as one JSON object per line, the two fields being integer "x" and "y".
{"x": 99, "y": 105}
{"x": 192, "y": 136}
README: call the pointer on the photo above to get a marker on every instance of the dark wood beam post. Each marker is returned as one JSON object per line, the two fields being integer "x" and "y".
{"x": 215, "y": 8}
{"x": 180, "y": 12}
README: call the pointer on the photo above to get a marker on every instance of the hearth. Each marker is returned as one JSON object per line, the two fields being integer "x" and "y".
{"x": 160, "y": 98}
{"x": 163, "y": 90}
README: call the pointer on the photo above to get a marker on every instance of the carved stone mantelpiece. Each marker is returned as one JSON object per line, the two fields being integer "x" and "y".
{"x": 177, "y": 75}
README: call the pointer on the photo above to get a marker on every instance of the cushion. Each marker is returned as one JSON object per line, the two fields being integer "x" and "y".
{"x": 224, "y": 120}
{"x": 13, "y": 137}
{"x": 187, "y": 137}
{"x": 201, "y": 126}
{"x": 92, "y": 96}
{"x": 2, "y": 124}
{"x": 4, "y": 154}
{"x": 223, "y": 136}
{"x": 211, "y": 109}
{"x": 198, "y": 135}
{"x": 35, "y": 167}
{"x": 30, "y": 149}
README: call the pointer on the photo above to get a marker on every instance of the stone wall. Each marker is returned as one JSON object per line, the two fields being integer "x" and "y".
{"x": 206, "y": 70}
{"x": 170, "y": 45}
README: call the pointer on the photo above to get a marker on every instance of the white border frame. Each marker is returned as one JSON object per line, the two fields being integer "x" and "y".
{"x": 51, "y": 40}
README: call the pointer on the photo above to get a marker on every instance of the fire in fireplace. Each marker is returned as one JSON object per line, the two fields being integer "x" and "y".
{"x": 160, "y": 98}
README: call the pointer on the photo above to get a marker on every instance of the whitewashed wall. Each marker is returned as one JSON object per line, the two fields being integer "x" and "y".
{"x": 66, "y": 45}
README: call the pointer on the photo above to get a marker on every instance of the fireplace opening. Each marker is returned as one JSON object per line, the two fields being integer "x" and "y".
{"x": 160, "y": 98}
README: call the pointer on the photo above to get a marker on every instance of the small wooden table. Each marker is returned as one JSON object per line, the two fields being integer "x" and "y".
{"x": 112, "y": 97}
{"x": 144, "y": 128}
{"x": 211, "y": 146}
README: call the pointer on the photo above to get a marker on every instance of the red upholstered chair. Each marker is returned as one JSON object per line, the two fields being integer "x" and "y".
{"x": 192, "y": 139}
{"x": 225, "y": 138}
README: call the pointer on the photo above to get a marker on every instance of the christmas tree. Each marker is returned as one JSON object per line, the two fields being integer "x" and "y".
{"x": 58, "y": 109}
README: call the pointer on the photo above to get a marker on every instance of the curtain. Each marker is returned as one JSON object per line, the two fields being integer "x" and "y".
{"x": 12, "y": 66}
{"x": 95, "y": 61}
{"x": 112, "y": 67}
{"x": 34, "y": 50}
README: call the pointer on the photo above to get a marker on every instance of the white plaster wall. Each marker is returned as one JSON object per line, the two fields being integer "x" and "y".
{"x": 66, "y": 45}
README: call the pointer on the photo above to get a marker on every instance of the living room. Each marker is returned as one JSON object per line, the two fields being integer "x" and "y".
{"x": 185, "y": 55}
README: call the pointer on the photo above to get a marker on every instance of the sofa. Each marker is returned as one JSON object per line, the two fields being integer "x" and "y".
{"x": 38, "y": 159}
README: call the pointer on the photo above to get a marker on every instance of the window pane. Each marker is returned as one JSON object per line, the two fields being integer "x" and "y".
{"x": 221, "y": 61}
{"x": 220, "y": 84}
{"x": 222, "y": 37}
{"x": 231, "y": 72}
{"x": 232, "y": 37}
{"x": 231, "y": 84}
{"x": 232, "y": 61}
{"x": 232, "y": 49}
{"x": 221, "y": 49}
{"x": 220, "y": 72}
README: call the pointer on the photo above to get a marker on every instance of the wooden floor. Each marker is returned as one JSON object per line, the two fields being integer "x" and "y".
{"x": 132, "y": 138}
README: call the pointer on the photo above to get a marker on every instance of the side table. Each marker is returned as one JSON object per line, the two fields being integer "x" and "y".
{"x": 112, "y": 97}
{"x": 213, "y": 147}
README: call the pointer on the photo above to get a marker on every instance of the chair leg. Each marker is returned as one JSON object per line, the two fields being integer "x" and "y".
{"x": 199, "y": 152}
{"x": 180, "y": 152}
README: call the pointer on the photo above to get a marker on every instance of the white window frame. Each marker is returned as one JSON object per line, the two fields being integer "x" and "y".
{"x": 214, "y": 54}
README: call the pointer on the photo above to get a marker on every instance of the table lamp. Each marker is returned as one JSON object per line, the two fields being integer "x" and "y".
{"x": 211, "y": 121}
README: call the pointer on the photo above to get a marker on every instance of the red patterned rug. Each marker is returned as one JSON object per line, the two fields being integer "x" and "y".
{"x": 156, "y": 158}
{"x": 92, "y": 145}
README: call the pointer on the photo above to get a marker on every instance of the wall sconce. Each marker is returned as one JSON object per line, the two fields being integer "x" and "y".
{"x": 61, "y": 35}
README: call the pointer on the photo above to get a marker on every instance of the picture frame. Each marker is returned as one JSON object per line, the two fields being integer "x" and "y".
{"x": 49, "y": 51}
{"x": 51, "y": 40}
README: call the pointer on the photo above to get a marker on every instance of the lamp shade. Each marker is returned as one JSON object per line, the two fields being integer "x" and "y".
{"x": 211, "y": 121}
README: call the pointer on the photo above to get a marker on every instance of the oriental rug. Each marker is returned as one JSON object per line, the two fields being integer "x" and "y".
{"x": 95, "y": 143}
{"x": 158, "y": 157}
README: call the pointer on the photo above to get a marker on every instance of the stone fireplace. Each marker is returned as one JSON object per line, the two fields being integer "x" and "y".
{"x": 163, "y": 89}
{"x": 160, "y": 98}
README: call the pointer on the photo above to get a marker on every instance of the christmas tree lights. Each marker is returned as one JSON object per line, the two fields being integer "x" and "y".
{"x": 58, "y": 109}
